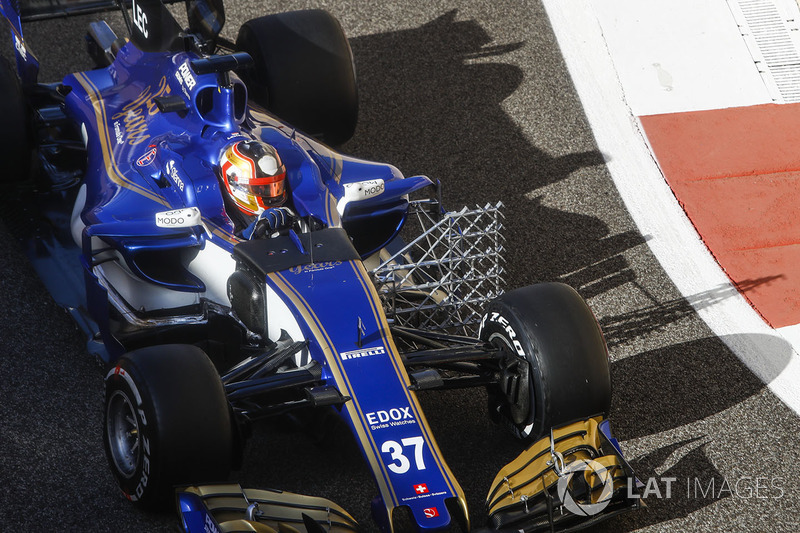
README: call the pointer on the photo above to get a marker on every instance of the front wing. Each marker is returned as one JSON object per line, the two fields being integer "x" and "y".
{"x": 228, "y": 508}
{"x": 567, "y": 481}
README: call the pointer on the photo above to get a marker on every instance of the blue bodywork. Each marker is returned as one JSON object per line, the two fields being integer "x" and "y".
{"x": 150, "y": 224}
{"x": 142, "y": 161}
{"x": 27, "y": 64}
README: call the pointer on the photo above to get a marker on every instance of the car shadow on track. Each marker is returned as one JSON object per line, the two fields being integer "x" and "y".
{"x": 667, "y": 388}
{"x": 432, "y": 102}
{"x": 689, "y": 485}
{"x": 662, "y": 391}
{"x": 624, "y": 327}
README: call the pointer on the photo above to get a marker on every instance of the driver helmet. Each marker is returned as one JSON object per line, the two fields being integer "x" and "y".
{"x": 254, "y": 176}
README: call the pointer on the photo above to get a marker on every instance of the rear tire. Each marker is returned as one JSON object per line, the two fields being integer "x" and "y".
{"x": 556, "y": 367}
{"x": 167, "y": 423}
{"x": 15, "y": 146}
{"x": 303, "y": 72}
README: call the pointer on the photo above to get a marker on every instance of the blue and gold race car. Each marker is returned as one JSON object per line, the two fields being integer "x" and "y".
{"x": 228, "y": 266}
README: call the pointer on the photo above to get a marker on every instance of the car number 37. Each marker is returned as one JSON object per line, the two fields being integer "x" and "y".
{"x": 400, "y": 463}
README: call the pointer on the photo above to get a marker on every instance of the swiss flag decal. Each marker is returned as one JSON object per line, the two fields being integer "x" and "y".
{"x": 422, "y": 488}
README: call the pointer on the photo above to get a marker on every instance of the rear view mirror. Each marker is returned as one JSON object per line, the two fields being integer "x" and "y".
{"x": 206, "y": 17}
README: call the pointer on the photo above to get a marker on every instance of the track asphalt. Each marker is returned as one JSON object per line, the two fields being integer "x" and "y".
{"x": 475, "y": 94}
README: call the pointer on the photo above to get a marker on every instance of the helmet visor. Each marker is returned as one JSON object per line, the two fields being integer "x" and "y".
{"x": 269, "y": 193}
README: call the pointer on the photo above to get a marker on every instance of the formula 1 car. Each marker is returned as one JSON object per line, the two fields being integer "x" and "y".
{"x": 351, "y": 295}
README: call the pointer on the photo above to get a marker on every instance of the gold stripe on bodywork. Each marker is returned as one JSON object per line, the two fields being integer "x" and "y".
{"x": 221, "y": 232}
{"x": 356, "y": 413}
{"x": 399, "y": 367}
{"x": 330, "y": 210}
{"x": 114, "y": 174}
{"x": 337, "y": 165}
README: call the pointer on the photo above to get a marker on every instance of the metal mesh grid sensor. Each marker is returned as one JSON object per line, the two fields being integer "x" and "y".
{"x": 446, "y": 273}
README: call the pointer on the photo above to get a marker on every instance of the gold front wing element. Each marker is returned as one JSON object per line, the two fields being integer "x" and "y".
{"x": 270, "y": 511}
{"x": 568, "y": 480}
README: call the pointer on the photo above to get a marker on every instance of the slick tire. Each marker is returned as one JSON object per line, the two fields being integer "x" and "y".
{"x": 166, "y": 423}
{"x": 555, "y": 368}
{"x": 304, "y": 72}
{"x": 15, "y": 146}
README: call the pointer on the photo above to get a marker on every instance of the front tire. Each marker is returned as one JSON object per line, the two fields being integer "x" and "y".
{"x": 167, "y": 423}
{"x": 304, "y": 72}
{"x": 555, "y": 367}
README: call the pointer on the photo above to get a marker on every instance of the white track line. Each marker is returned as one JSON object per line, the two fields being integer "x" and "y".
{"x": 650, "y": 201}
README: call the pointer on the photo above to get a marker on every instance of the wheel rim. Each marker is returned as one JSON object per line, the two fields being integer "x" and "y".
{"x": 122, "y": 428}
{"x": 514, "y": 383}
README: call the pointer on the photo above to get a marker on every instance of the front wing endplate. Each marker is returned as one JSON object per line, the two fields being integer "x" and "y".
{"x": 569, "y": 480}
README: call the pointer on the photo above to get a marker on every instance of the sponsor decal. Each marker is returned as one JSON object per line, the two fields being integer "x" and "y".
{"x": 139, "y": 18}
{"x": 210, "y": 526}
{"x": 393, "y": 417}
{"x": 144, "y": 477}
{"x": 118, "y": 132}
{"x": 431, "y": 512}
{"x": 422, "y": 496}
{"x": 147, "y": 158}
{"x": 364, "y": 352}
{"x": 422, "y": 488}
{"x": 361, "y": 190}
{"x": 178, "y": 218}
{"x": 314, "y": 267}
{"x": 18, "y": 44}
{"x": 372, "y": 188}
{"x": 145, "y": 460}
{"x": 173, "y": 173}
{"x": 185, "y": 77}
{"x": 134, "y": 115}
{"x": 512, "y": 335}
